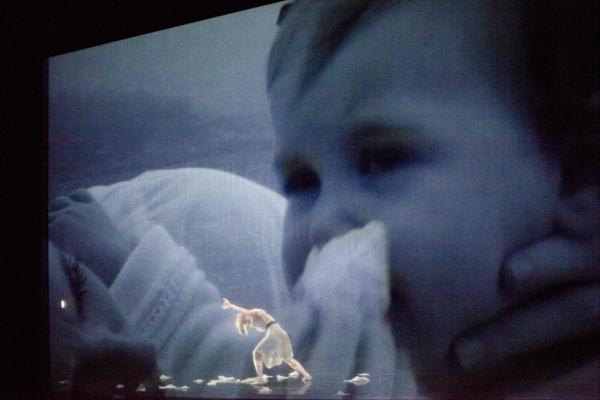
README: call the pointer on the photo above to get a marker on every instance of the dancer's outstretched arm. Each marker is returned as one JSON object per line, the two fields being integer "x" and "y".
{"x": 226, "y": 304}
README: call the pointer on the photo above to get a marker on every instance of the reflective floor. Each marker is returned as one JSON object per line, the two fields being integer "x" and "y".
{"x": 321, "y": 387}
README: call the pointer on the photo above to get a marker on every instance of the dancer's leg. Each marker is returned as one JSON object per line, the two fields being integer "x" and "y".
{"x": 296, "y": 366}
{"x": 258, "y": 365}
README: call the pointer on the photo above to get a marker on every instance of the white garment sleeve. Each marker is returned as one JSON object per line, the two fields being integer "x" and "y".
{"x": 232, "y": 226}
{"x": 167, "y": 300}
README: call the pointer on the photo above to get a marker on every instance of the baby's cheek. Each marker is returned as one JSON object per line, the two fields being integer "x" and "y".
{"x": 443, "y": 283}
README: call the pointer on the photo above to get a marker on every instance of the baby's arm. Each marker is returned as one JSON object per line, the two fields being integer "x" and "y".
{"x": 169, "y": 302}
{"x": 90, "y": 329}
{"x": 81, "y": 227}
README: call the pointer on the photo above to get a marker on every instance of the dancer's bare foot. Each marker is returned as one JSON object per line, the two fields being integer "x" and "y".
{"x": 254, "y": 381}
{"x": 82, "y": 228}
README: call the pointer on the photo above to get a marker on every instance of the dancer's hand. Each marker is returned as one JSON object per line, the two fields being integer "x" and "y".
{"x": 226, "y": 304}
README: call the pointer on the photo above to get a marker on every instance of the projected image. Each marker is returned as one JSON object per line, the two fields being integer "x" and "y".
{"x": 330, "y": 199}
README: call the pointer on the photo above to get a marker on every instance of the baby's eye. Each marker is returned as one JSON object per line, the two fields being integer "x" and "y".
{"x": 301, "y": 180}
{"x": 379, "y": 159}
{"x": 377, "y": 148}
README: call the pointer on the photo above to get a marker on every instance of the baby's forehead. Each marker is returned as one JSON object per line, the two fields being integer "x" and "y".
{"x": 418, "y": 40}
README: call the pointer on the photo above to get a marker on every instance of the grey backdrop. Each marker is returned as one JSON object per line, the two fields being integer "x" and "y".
{"x": 190, "y": 96}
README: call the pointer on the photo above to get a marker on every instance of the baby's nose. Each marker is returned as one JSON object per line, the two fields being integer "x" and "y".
{"x": 329, "y": 219}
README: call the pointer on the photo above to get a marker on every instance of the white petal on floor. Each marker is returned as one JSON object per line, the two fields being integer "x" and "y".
{"x": 294, "y": 374}
{"x": 170, "y": 386}
{"x": 366, "y": 374}
{"x": 119, "y": 386}
{"x": 222, "y": 380}
{"x": 141, "y": 388}
{"x": 198, "y": 381}
{"x": 340, "y": 393}
{"x": 358, "y": 380}
{"x": 163, "y": 378}
{"x": 249, "y": 381}
{"x": 166, "y": 387}
{"x": 264, "y": 390}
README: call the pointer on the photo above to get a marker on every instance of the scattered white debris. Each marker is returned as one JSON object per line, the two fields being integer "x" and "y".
{"x": 264, "y": 390}
{"x": 364, "y": 374}
{"x": 164, "y": 378}
{"x": 340, "y": 393}
{"x": 170, "y": 386}
{"x": 221, "y": 379}
{"x": 199, "y": 381}
{"x": 358, "y": 380}
{"x": 119, "y": 386}
{"x": 63, "y": 382}
{"x": 294, "y": 375}
{"x": 141, "y": 388}
{"x": 281, "y": 378}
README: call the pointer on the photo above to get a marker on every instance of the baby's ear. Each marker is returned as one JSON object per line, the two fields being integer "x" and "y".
{"x": 571, "y": 254}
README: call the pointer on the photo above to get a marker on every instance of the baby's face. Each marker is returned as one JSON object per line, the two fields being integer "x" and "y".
{"x": 405, "y": 126}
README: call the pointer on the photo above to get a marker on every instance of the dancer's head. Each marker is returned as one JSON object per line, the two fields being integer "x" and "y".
{"x": 448, "y": 122}
{"x": 243, "y": 322}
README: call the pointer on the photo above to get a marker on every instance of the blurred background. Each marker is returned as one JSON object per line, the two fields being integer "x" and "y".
{"x": 190, "y": 96}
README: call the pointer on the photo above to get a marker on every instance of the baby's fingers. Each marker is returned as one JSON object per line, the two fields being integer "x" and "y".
{"x": 554, "y": 261}
{"x": 571, "y": 316}
{"x": 58, "y": 203}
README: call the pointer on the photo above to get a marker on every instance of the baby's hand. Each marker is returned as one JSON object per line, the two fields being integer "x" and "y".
{"x": 81, "y": 227}
{"x": 558, "y": 281}
{"x": 566, "y": 315}
{"x": 88, "y": 327}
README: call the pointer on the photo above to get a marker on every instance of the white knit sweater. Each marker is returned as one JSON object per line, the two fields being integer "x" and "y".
{"x": 199, "y": 235}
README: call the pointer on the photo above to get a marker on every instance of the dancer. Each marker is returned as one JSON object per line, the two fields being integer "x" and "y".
{"x": 274, "y": 348}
